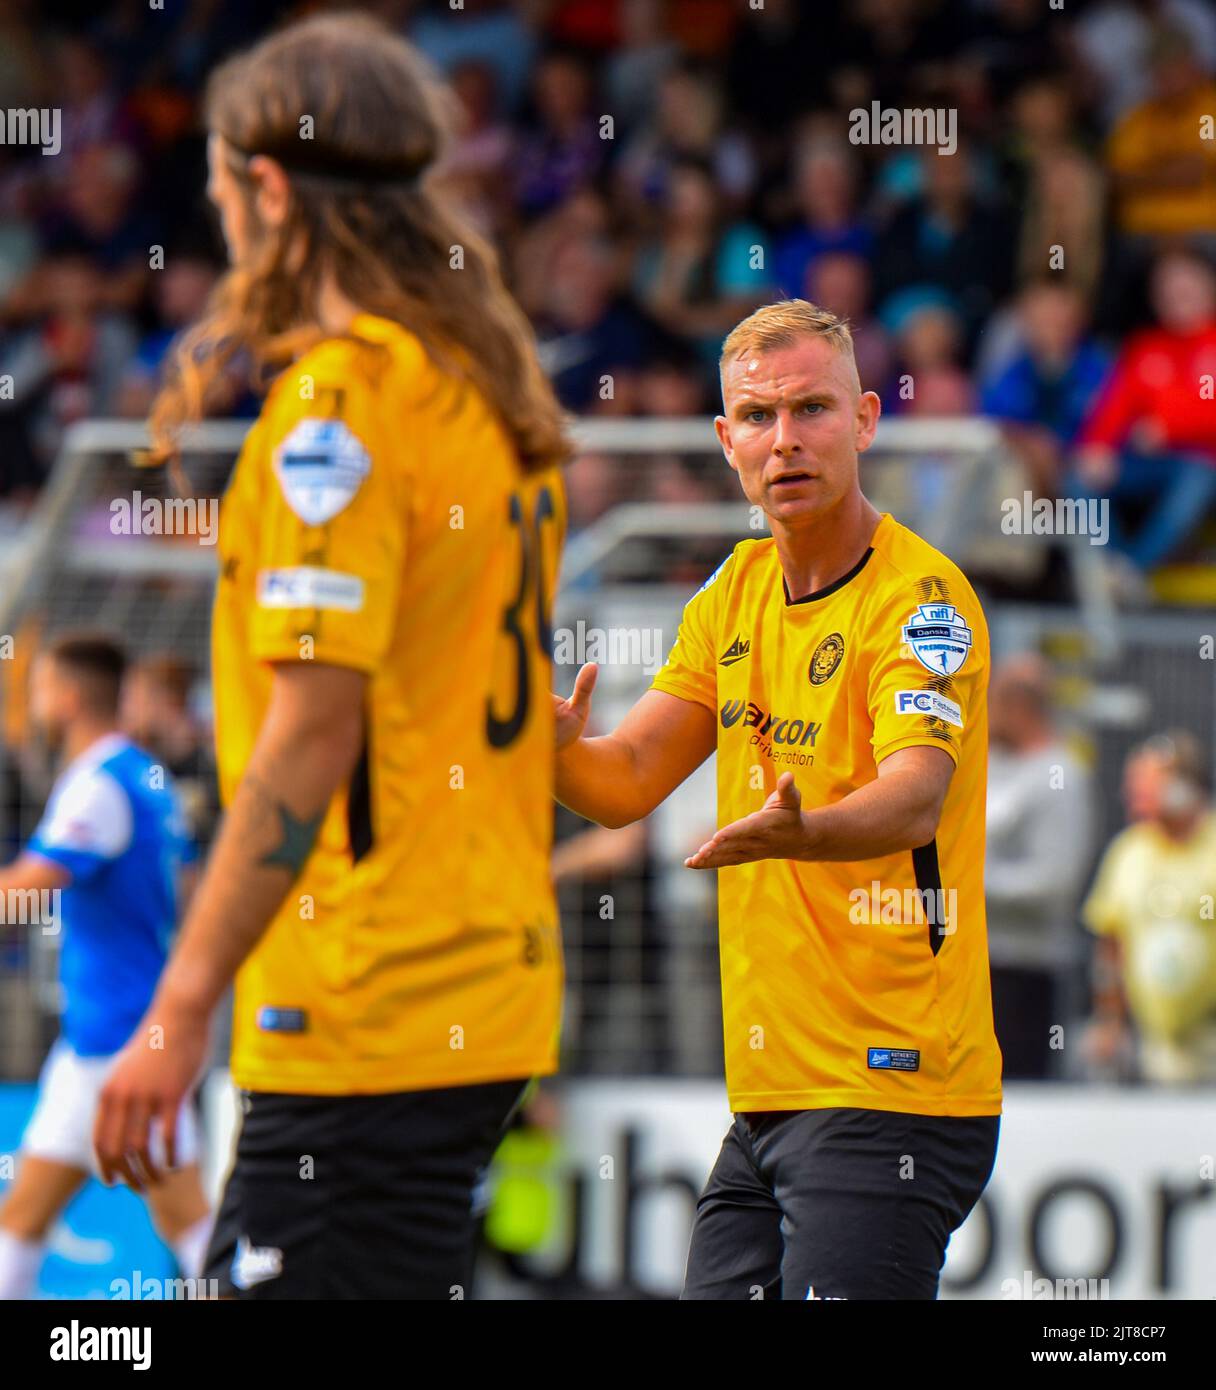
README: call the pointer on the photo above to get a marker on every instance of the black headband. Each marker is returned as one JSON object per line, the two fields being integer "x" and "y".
{"x": 305, "y": 159}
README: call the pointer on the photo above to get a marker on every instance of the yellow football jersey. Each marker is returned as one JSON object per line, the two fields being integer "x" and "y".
{"x": 849, "y": 984}
{"x": 378, "y": 519}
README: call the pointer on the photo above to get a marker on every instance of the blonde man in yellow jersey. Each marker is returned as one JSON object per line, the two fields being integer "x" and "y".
{"x": 389, "y": 542}
{"x": 839, "y": 670}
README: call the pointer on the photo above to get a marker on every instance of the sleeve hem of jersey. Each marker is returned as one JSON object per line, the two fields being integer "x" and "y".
{"x": 322, "y": 656}
{"x": 682, "y": 692}
{"x": 76, "y": 863}
{"x": 914, "y": 741}
{"x": 51, "y": 854}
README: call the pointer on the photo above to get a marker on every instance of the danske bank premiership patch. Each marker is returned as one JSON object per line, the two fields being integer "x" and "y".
{"x": 320, "y": 466}
{"x": 939, "y": 638}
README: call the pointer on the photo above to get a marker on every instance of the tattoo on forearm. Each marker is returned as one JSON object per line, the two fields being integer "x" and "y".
{"x": 296, "y": 834}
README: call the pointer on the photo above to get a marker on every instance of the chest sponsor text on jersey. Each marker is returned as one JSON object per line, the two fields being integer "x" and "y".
{"x": 782, "y": 739}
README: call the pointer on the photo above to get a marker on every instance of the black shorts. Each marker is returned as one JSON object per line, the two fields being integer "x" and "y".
{"x": 836, "y": 1203}
{"x": 357, "y": 1196}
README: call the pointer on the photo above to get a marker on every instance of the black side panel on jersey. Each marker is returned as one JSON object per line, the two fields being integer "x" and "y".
{"x": 359, "y": 805}
{"x": 929, "y": 882}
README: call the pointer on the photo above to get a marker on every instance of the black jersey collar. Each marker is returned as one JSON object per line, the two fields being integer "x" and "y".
{"x": 827, "y": 588}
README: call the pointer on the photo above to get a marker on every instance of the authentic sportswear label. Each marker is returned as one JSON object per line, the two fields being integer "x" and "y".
{"x": 282, "y": 1020}
{"x": 893, "y": 1059}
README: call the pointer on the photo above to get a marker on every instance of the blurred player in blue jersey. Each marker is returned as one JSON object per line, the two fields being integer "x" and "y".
{"x": 111, "y": 841}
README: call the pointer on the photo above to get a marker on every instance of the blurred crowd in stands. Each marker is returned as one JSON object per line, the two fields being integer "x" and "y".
{"x": 651, "y": 170}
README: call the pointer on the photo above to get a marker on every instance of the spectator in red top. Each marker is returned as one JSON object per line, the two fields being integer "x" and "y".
{"x": 1151, "y": 437}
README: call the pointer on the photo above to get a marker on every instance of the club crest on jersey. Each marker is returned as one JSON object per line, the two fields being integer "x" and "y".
{"x": 939, "y": 638}
{"x": 825, "y": 659}
{"x": 320, "y": 466}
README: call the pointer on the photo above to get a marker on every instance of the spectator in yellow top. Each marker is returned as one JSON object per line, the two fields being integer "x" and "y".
{"x": 1163, "y": 166}
{"x": 1152, "y": 905}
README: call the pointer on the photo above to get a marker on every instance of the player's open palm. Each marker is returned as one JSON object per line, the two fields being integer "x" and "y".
{"x": 571, "y": 715}
{"x": 775, "y": 831}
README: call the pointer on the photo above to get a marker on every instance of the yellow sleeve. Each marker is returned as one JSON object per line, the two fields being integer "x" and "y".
{"x": 332, "y": 530}
{"x": 928, "y": 650}
{"x": 1102, "y": 911}
{"x": 691, "y": 671}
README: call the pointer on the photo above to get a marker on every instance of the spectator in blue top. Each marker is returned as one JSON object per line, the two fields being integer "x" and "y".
{"x": 1044, "y": 393}
{"x": 588, "y": 332}
{"x": 825, "y": 187}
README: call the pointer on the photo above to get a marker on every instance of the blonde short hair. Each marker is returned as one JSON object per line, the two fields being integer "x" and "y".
{"x": 780, "y": 324}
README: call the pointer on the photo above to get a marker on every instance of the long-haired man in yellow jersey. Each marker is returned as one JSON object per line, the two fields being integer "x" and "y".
{"x": 380, "y": 884}
{"x": 839, "y": 669}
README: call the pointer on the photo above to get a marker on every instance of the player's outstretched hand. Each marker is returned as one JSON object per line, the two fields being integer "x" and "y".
{"x": 571, "y": 714}
{"x": 153, "y": 1075}
{"x": 773, "y": 832}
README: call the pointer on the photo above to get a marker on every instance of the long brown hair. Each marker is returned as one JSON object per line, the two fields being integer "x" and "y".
{"x": 356, "y": 118}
